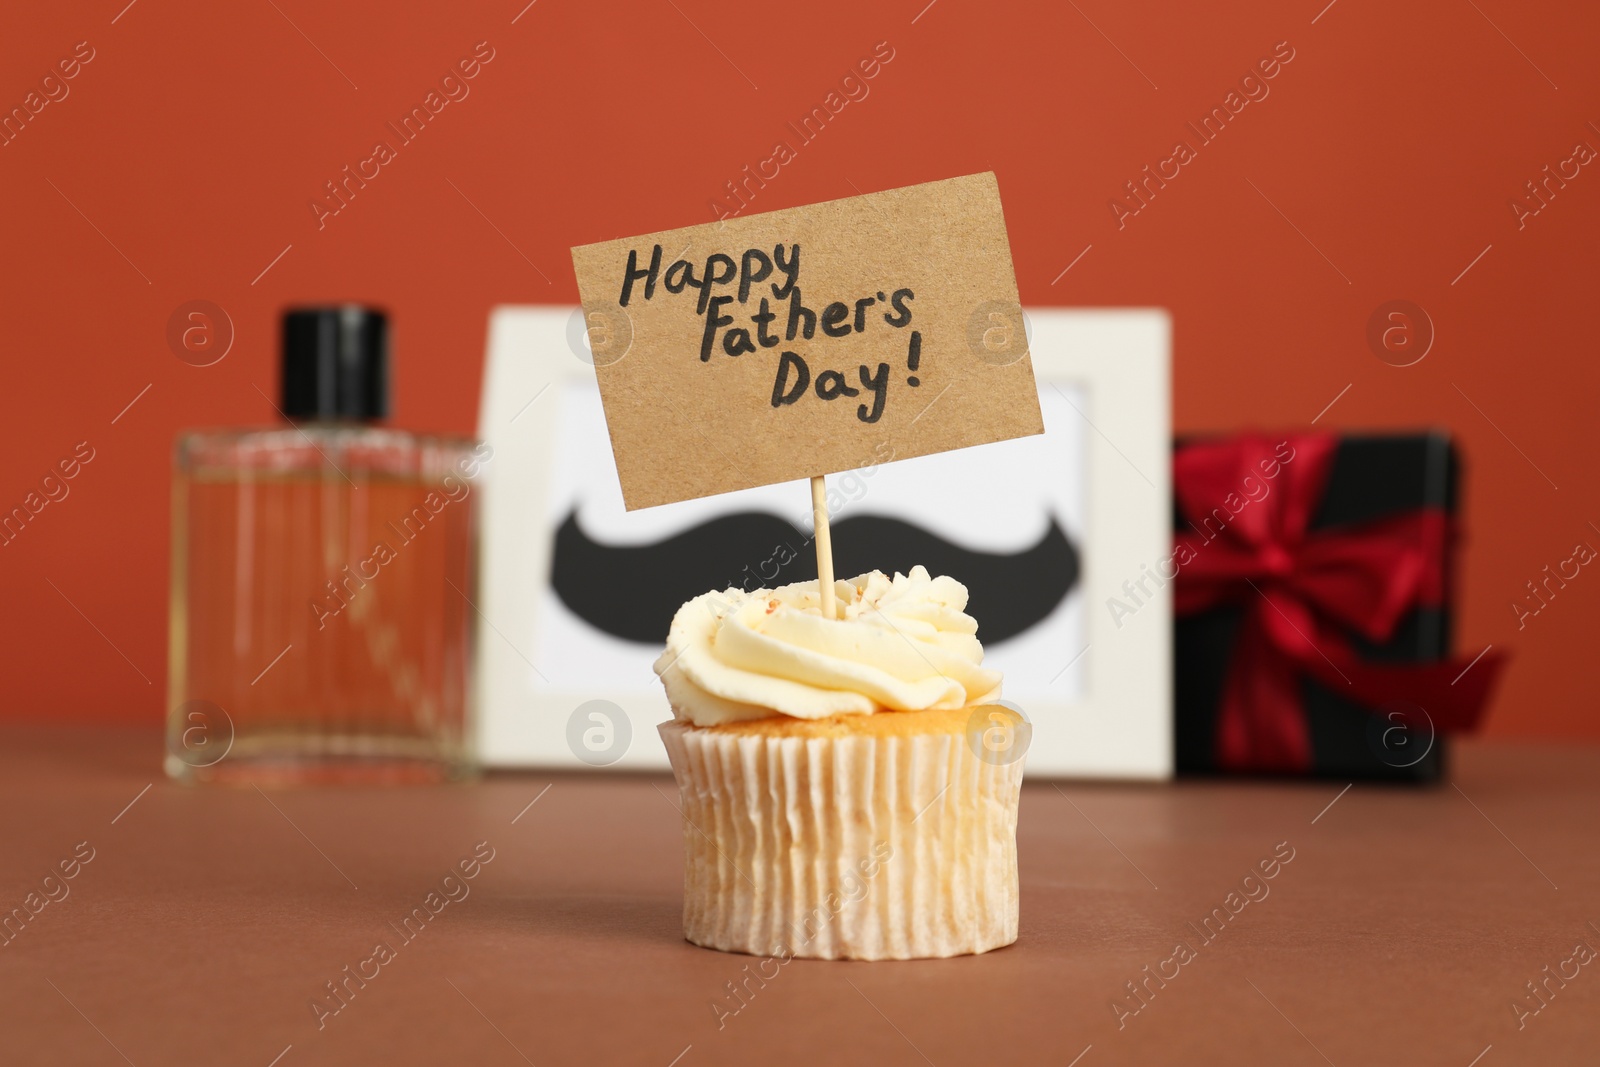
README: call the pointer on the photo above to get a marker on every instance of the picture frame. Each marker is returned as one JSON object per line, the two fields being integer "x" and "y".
{"x": 550, "y": 692}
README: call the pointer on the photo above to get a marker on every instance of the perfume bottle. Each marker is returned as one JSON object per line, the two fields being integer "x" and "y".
{"x": 321, "y": 622}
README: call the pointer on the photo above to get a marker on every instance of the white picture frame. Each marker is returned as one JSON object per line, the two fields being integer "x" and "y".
{"x": 1114, "y": 720}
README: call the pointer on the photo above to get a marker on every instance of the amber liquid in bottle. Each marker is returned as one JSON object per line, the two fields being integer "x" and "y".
{"x": 321, "y": 627}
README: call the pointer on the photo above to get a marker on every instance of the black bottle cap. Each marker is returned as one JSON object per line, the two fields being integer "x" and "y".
{"x": 336, "y": 363}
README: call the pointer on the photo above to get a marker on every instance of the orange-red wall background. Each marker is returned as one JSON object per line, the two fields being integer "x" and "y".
{"x": 1381, "y": 166}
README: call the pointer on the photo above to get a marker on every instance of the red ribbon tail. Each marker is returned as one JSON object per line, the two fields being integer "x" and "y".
{"x": 1454, "y": 693}
{"x": 1260, "y": 724}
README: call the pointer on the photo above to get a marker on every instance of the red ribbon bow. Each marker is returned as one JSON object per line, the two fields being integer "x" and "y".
{"x": 1248, "y": 504}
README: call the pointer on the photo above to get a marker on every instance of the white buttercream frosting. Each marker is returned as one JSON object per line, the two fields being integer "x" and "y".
{"x": 894, "y": 644}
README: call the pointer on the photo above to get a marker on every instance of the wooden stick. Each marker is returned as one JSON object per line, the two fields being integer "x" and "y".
{"x": 824, "y": 539}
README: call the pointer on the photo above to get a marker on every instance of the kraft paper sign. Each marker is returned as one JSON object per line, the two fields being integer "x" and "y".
{"x": 807, "y": 341}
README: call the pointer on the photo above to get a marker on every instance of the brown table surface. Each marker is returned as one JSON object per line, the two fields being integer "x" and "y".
{"x": 1402, "y": 932}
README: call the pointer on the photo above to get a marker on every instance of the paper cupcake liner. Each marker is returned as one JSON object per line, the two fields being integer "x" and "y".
{"x": 859, "y": 847}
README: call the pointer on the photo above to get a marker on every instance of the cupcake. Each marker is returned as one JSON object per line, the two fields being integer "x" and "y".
{"x": 849, "y": 785}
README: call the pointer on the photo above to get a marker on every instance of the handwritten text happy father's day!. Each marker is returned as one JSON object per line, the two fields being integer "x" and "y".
{"x": 794, "y": 376}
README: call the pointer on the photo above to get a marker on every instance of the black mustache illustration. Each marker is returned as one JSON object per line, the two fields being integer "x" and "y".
{"x": 632, "y": 591}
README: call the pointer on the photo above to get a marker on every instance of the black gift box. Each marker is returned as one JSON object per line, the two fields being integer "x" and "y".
{"x": 1372, "y": 477}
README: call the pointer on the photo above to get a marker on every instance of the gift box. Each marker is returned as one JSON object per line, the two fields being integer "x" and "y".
{"x": 1313, "y": 607}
